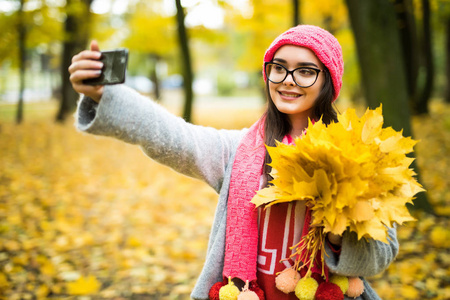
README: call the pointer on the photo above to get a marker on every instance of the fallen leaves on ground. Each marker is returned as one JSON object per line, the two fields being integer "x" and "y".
{"x": 83, "y": 217}
{"x": 93, "y": 216}
{"x": 422, "y": 268}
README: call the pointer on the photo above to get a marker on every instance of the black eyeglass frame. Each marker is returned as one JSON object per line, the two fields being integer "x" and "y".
{"x": 291, "y": 73}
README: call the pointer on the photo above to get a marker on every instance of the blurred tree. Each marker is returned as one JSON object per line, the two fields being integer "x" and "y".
{"x": 414, "y": 20}
{"x": 148, "y": 27}
{"x": 380, "y": 55}
{"x": 420, "y": 106}
{"x": 27, "y": 30}
{"x": 447, "y": 50}
{"x": 331, "y": 15}
{"x": 188, "y": 76}
{"x": 21, "y": 29}
{"x": 44, "y": 38}
{"x": 410, "y": 47}
{"x": 8, "y": 37}
{"x": 76, "y": 35}
{"x": 296, "y": 12}
{"x": 440, "y": 11}
{"x": 154, "y": 76}
{"x": 253, "y": 31}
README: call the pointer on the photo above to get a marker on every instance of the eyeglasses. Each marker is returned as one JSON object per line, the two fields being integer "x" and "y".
{"x": 303, "y": 77}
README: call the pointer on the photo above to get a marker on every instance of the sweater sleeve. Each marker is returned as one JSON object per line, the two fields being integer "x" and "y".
{"x": 362, "y": 257}
{"x": 196, "y": 151}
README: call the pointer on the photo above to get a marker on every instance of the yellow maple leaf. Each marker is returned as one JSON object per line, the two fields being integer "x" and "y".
{"x": 84, "y": 286}
{"x": 362, "y": 211}
{"x": 372, "y": 126}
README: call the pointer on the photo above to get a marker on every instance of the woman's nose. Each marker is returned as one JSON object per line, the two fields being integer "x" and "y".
{"x": 289, "y": 80}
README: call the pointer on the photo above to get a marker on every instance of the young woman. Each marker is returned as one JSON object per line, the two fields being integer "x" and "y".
{"x": 303, "y": 70}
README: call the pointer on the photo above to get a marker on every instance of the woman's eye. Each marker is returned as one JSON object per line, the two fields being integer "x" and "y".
{"x": 306, "y": 72}
{"x": 278, "y": 69}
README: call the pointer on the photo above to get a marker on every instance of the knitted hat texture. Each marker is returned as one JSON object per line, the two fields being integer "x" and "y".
{"x": 321, "y": 42}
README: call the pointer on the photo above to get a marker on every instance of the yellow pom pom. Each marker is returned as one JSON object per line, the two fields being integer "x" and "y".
{"x": 248, "y": 295}
{"x": 306, "y": 288}
{"x": 287, "y": 280}
{"x": 229, "y": 292}
{"x": 341, "y": 282}
{"x": 355, "y": 287}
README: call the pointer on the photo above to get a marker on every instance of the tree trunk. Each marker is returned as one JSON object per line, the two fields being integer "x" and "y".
{"x": 296, "y": 12}
{"x": 22, "y": 61}
{"x": 327, "y": 21}
{"x": 76, "y": 29}
{"x": 421, "y": 106}
{"x": 154, "y": 77}
{"x": 408, "y": 39}
{"x": 447, "y": 96}
{"x": 187, "y": 66}
{"x": 380, "y": 55}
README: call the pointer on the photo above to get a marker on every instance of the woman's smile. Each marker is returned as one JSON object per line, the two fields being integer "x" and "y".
{"x": 289, "y": 95}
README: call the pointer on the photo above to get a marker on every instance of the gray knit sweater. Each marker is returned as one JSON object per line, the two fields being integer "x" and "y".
{"x": 208, "y": 154}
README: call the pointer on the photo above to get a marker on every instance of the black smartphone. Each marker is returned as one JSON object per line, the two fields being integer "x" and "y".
{"x": 114, "y": 68}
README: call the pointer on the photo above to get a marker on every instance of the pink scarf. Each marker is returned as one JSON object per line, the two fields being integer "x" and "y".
{"x": 241, "y": 249}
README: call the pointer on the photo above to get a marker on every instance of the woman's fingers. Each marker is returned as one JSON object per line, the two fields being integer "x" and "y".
{"x": 80, "y": 75}
{"x": 87, "y": 54}
{"x": 93, "y": 54}
{"x": 76, "y": 78}
{"x": 85, "y": 65}
{"x": 94, "y": 46}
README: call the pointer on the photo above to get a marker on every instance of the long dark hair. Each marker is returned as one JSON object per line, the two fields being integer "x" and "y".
{"x": 277, "y": 124}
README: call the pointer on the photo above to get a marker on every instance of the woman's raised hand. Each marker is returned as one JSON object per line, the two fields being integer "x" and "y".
{"x": 86, "y": 65}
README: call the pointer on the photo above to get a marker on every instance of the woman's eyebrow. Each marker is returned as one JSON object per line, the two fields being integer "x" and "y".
{"x": 300, "y": 64}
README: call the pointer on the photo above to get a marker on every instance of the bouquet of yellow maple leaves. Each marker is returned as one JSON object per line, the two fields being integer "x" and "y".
{"x": 352, "y": 174}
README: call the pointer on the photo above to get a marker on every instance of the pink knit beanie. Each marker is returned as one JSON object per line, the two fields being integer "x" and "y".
{"x": 321, "y": 42}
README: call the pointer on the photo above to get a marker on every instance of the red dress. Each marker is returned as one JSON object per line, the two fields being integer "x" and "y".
{"x": 280, "y": 227}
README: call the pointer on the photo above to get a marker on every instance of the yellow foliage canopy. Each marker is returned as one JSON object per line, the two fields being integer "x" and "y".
{"x": 354, "y": 174}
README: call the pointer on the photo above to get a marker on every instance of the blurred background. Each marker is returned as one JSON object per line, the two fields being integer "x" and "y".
{"x": 90, "y": 218}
